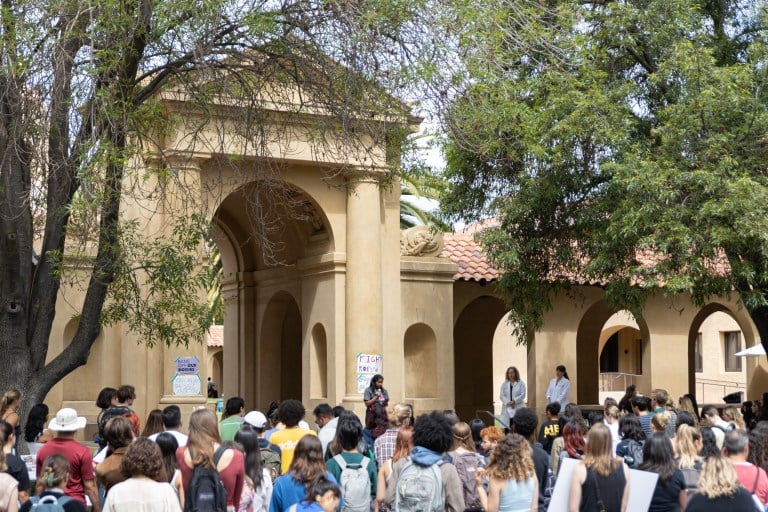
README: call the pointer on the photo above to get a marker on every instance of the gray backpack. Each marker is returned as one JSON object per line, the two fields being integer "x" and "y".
{"x": 420, "y": 488}
{"x": 49, "y": 503}
{"x": 355, "y": 483}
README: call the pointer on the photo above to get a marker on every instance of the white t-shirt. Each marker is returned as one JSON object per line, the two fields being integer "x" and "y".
{"x": 180, "y": 438}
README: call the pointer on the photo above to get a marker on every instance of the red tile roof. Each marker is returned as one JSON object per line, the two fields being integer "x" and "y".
{"x": 465, "y": 252}
{"x": 215, "y": 336}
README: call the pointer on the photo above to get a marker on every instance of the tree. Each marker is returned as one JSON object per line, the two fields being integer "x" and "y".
{"x": 618, "y": 142}
{"x": 82, "y": 86}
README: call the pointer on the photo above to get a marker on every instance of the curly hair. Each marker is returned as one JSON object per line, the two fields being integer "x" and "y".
{"x": 433, "y": 432}
{"x": 462, "y": 437}
{"x": 290, "y": 412}
{"x": 494, "y": 434}
{"x": 733, "y": 415}
{"x": 630, "y": 428}
{"x": 758, "y": 445}
{"x": 511, "y": 459}
{"x": 143, "y": 458}
{"x": 525, "y": 422}
{"x": 718, "y": 478}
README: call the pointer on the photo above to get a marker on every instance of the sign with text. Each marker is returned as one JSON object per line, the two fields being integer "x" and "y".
{"x": 186, "y": 384}
{"x": 368, "y": 364}
{"x": 187, "y": 365}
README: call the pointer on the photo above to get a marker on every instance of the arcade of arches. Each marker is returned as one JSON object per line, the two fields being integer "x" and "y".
{"x": 334, "y": 277}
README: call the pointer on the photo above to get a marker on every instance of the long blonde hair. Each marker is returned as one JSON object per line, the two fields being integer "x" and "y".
{"x": 9, "y": 397}
{"x": 203, "y": 433}
{"x": 733, "y": 414}
{"x": 599, "y": 450}
{"x": 718, "y": 478}
{"x": 511, "y": 459}
{"x": 685, "y": 448}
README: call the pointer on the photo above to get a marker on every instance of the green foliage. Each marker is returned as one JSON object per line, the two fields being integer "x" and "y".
{"x": 619, "y": 143}
{"x": 158, "y": 284}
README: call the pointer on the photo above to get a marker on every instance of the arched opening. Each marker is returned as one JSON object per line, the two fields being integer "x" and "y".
{"x": 420, "y": 350}
{"x": 318, "y": 363}
{"x": 507, "y": 351}
{"x": 609, "y": 340}
{"x": 279, "y": 358}
{"x": 620, "y": 355}
{"x": 714, "y": 369}
{"x": 473, "y": 355}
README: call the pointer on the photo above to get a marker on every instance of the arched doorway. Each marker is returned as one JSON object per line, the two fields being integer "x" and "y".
{"x": 280, "y": 360}
{"x": 473, "y": 336}
{"x": 617, "y": 339}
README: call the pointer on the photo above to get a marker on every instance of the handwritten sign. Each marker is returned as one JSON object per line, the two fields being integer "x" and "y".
{"x": 187, "y": 365}
{"x": 369, "y": 364}
{"x": 185, "y": 384}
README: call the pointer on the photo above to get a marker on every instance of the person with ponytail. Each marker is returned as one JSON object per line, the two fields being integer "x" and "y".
{"x": 53, "y": 477}
{"x": 9, "y": 410}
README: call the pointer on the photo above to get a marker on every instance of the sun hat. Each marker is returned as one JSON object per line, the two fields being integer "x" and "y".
{"x": 67, "y": 420}
{"x": 256, "y": 419}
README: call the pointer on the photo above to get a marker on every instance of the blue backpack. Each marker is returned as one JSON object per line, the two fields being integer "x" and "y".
{"x": 49, "y": 503}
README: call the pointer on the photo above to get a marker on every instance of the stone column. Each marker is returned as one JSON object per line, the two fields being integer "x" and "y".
{"x": 363, "y": 280}
{"x": 183, "y": 196}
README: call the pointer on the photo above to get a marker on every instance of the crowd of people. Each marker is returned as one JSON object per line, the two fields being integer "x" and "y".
{"x": 252, "y": 461}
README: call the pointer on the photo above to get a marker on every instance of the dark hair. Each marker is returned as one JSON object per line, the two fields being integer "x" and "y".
{"x": 319, "y": 487}
{"x": 154, "y": 423}
{"x": 143, "y": 458}
{"x": 168, "y": 445}
{"x": 377, "y": 420}
{"x": 631, "y": 428}
{"x": 125, "y": 393}
{"x": 118, "y": 432}
{"x": 562, "y": 421}
{"x": 349, "y": 433}
{"x": 684, "y": 418}
{"x": 709, "y": 410}
{"x": 708, "y": 443}
{"x": 595, "y": 417}
{"x": 36, "y": 419}
{"x": 336, "y": 446}
{"x": 433, "y": 432}
{"x": 758, "y": 445}
{"x": 234, "y": 405}
{"x": 249, "y": 440}
{"x": 659, "y": 457}
{"x": 290, "y": 412}
{"x": 525, "y": 422}
{"x": 376, "y": 377}
{"x": 553, "y": 408}
{"x": 561, "y": 368}
{"x": 625, "y": 402}
{"x": 6, "y": 430}
{"x": 337, "y": 410}
{"x": 643, "y": 403}
{"x": 104, "y": 400}
{"x": 476, "y": 425}
{"x": 172, "y": 417}
{"x": 323, "y": 410}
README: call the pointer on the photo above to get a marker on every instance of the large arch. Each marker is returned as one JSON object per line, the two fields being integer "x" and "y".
{"x": 473, "y": 335}
{"x": 279, "y": 358}
{"x": 591, "y": 339}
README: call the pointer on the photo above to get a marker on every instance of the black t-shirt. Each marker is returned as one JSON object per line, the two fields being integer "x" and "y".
{"x": 547, "y": 434}
{"x": 18, "y": 470}
{"x": 741, "y": 501}
{"x": 666, "y": 498}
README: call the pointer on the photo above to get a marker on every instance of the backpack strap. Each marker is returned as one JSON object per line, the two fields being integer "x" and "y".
{"x": 340, "y": 461}
{"x": 63, "y": 500}
{"x": 217, "y": 455}
{"x": 364, "y": 462}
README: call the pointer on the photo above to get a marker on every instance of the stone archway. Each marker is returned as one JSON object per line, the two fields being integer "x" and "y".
{"x": 592, "y": 337}
{"x": 473, "y": 336}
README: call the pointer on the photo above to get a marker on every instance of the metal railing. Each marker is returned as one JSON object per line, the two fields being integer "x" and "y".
{"x": 718, "y": 387}
{"x": 616, "y": 381}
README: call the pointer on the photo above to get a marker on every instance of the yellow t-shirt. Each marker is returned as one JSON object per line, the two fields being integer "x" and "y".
{"x": 287, "y": 439}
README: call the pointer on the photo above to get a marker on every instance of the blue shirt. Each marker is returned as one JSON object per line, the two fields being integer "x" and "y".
{"x": 288, "y": 491}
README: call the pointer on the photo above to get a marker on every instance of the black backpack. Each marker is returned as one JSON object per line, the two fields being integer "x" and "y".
{"x": 205, "y": 490}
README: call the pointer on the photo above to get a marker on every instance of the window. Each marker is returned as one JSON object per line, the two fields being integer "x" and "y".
{"x": 732, "y": 344}
{"x": 698, "y": 360}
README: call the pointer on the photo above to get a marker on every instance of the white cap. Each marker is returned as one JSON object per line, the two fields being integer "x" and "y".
{"x": 256, "y": 419}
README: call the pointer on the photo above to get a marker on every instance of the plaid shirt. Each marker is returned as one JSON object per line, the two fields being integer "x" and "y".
{"x": 384, "y": 446}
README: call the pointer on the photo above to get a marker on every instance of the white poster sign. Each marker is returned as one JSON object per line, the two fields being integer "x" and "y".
{"x": 642, "y": 484}
{"x": 369, "y": 364}
{"x": 186, "y": 384}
